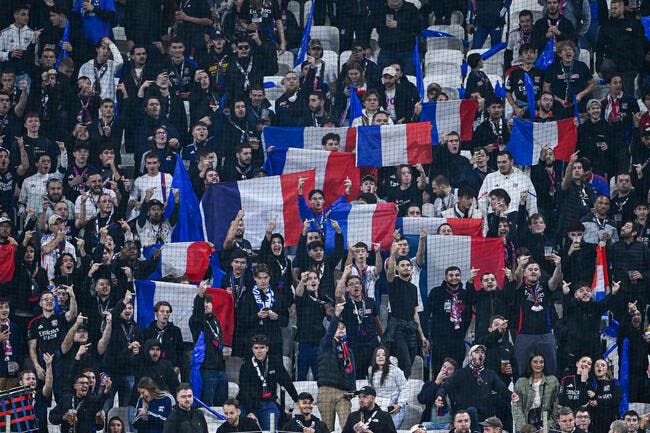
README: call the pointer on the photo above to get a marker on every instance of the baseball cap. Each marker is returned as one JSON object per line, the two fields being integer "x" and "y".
{"x": 416, "y": 427}
{"x": 389, "y": 70}
{"x": 366, "y": 390}
{"x": 369, "y": 177}
{"x": 218, "y": 35}
{"x": 492, "y": 421}
{"x": 593, "y": 102}
{"x": 5, "y": 220}
{"x": 305, "y": 396}
{"x": 476, "y": 347}
{"x": 54, "y": 218}
{"x": 155, "y": 201}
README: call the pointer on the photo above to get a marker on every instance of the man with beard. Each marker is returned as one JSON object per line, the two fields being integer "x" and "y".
{"x": 450, "y": 312}
{"x": 576, "y": 197}
{"x": 200, "y": 140}
{"x": 597, "y": 225}
{"x": 152, "y": 227}
{"x": 168, "y": 335}
{"x": 101, "y": 70}
{"x": 595, "y": 140}
{"x": 242, "y": 168}
{"x": 244, "y": 71}
{"x": 370, "y": 417}
{"x": 624, "y": 199}
{"x": 43, "y": 395}
{"x": 551, "y": 25}
{"x": 237, "y": 423}
{"x": 533, "y": 306}
{"x": 474, "y": 386}
{"x": 305, "y": 421}
{"x": 493, "y": 133}
{"x": 489, "y": 300}
{"x": 75, "y": 412}
{"x": 9, "y": 123}
{"x": 150, "y": 363}
{"x": 160, "y": 183}
{"x": 291, "y": 105}
{"x": 34, "y": 187}
{"x": 129, "y": 257}
{"x": 448, "y": 161}
{"x": 462, "y": 423}
{"x": 87, "y": 204}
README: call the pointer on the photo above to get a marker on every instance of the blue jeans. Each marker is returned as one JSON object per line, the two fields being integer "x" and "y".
{"x": 123, "y": 385}
{"x": 215, "y": 387}
{"x": 589, "y": 41}
{"x": 386, "y": 57}
{"x": 481, "y": 33}
{"x": 263, "y": 414}
{"x": 307, "y": 357}
{"x": 399, "y": 417}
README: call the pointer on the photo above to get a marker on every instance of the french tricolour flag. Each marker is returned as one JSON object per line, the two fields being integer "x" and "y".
{"x": 601, "y": 277}
{"x": 527, "y": 139}
{"x": 332, "y": 168}
{"x": 185, "y": 258}
{"x": 307, "y": 138}
{"x": 447, "y": 116}
{"x": 466, "y": 252}
{"x": 410, "y": 226}
{"x": 262, "y": 199}
{"x": 369, "y": 223}
{"x": 385, "y": 146}
{"x": 181, "y": 296}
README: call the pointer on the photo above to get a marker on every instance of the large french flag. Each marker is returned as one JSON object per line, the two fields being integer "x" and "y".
{"x": 262, "y": 199}
{"x": 447, "y": 116}
{"x": 410, "y": 226}
{"x": 181, "y": 296}
{"x": 185, "y": 258}
{"x": 466, "y": 252}
{"x": 332, "y": 168}
{"x": 385, "y": 146}
{"x": 601, "y": 277}
{"x": 307, "y": 138}
{"x": 369, "y": 223}
{"x": 527, "y": 139}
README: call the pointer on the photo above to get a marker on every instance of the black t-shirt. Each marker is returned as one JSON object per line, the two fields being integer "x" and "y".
{"x": 265, "y": 18}
{"x": 404, "y": 197}
{"x": 48, "y": 332}
{"x": 358, "y": 317}
{"x": 567, "y": 81}
{"x": 403, "y": 299}
{"x": 534, "y": 309}
{"x": 515, "y": 82}
{"x": 310, "y": 311}
{"x": 7, "y": 188}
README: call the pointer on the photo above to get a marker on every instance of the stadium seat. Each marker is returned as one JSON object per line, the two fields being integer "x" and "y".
{"x": 457, "y": 17}
{"x": 343, "y": 58}
{"x": 233, "y": 364}
{"x": 285, "y": 62}
{"x": 447, "y": 43}
{"x": 415, "y": 385}
{"x": 451, "y": 92}
{"x": 328, "y": 35}
{"x": 416, "y": 3}
{"x": 417, "y": 369}
{"x": 453, "y": 29}
{"x": 412, "y": 79}
{"x": 444, "y": 56}
{"x": 119, "y": 33}
{"x": 305, "y": 12}
{"x": 453, "y": 81}
{"x": 493, "y": 65}
{"x": 585, "y": 56}
{"x": 413, "y": 415}
{"x": 233, "y": 390}
{"x": 294, "y": 7}
{"x": 278, "y": 90}
{"x": 212, "y": 421}
{"x": 441, "y": 68}
{"x": 495, "y": 78}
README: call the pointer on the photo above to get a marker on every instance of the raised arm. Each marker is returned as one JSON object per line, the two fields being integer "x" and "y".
{"x": 229, "y": 242}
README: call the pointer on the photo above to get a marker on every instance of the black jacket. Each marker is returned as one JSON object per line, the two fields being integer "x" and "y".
{"x": 297, "y": 423}
{"x": 245, "y": 425}
{"x": 331, "y": 371}
{"x": 251, "y": 392}
{"x": 466, "y": 392}
{"x": 380, "y": 421}
{"x": 186, "y": 421}
{"x": 401, "y": 38}
{"x": 404, "y": 102}
{"x": 171, "y": 339}
{"x": 118, "y": 359}
{"x": 86, "y": 410}
{"x": 621, "y": 40}
{"x": 213, "y": 334}
{"x": 161, "y": 371}
{"x": 541, "y": 27}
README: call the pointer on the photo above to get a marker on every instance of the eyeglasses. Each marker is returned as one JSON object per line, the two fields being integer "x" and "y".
{"x": 243, "y": 47}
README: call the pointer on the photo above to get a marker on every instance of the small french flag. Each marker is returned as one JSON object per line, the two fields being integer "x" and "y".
{"x": 369, "y": 223}
{"x": 262, "y": 199}
{"x": 448, "y": 116}
{"x": 528, "y": 138}
{"x": 307, "y": 138}
{"x": 185, "y": 258}
{"x": 385, "y": 146}
{"x": 601, "y": 277}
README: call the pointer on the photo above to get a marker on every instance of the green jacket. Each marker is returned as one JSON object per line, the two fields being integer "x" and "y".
{"x": 549, "y": 388}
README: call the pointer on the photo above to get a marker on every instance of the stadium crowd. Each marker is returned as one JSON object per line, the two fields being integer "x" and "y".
{"x": 187, "y": 82}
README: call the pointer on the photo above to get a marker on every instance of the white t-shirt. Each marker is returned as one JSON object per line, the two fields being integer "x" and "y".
{"x": 370, "y": 277}
{"x": 390, "y": 104}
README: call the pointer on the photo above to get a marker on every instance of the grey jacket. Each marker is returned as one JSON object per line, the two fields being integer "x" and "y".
{"x": 549, "y": 388}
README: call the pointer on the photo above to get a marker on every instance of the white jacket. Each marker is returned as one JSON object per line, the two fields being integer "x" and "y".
{"x": 394, "y": 390}
{"x": 513, "y": 183}
{"x": 107, "y": 76}
{"x": 13, "y": 38}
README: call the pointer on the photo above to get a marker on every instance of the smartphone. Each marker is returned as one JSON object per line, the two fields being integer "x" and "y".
{"x": 4, "y": 328}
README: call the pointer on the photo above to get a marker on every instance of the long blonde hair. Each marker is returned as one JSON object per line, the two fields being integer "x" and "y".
{"x": 151, "y": 386}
